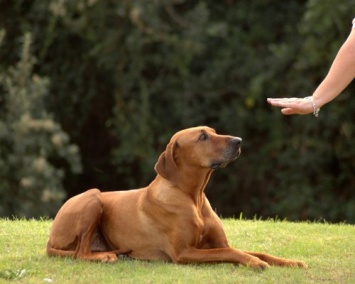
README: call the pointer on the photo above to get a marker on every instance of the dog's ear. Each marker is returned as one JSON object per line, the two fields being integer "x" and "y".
{"x": 166, "y": 165}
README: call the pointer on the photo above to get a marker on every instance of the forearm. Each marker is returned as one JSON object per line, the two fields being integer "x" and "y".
{"x": 340, "y": 74}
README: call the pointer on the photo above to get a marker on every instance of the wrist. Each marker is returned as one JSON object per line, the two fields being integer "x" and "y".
{"x": 316, "y": 109}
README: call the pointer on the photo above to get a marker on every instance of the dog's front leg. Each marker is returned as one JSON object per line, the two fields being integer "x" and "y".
{"x": 273, "y": 260}
{"x": 231, "y": 255}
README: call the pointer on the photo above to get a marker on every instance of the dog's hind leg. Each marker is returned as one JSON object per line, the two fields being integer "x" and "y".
{"x": 74, "y": 227}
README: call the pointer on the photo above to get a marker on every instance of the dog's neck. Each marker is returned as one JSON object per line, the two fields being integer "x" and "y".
{"x": 194, "y": 183}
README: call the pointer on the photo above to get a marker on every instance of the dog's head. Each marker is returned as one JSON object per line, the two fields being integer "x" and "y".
{"x": 198, "y": 147}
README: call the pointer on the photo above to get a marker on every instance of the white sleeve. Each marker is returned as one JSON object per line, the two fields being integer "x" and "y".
{"x": 354, "y": 23}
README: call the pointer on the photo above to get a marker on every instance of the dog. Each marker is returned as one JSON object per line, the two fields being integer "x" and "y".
{"x": 170, "y": 219}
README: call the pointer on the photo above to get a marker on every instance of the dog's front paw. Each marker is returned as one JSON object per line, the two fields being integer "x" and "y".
{"x": 256, "y": 263}
{"x": 296, "y": 263}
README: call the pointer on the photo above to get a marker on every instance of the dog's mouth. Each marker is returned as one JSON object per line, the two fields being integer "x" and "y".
{"x": 222, "y": 164}
{"x": 216, "y": 166}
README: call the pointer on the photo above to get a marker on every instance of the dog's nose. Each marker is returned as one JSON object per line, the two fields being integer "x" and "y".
{"x": 236, "y": 142}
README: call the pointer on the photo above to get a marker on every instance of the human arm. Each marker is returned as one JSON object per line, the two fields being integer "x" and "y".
{"x": 341, "y": 73}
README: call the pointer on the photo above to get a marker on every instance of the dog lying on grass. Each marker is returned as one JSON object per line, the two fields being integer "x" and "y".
{"x": 170, "y": 219}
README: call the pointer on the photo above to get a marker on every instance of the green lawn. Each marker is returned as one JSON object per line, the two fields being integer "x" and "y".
{"x": 328, "y": 249}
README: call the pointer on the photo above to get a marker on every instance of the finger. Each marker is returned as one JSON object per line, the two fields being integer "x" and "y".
{"x": 281, "y": 99}
{"x": 286, "y": 102}
{"x": 288, "y": 111}
{"x": 274, "y": 102}
{"x": 281, "y": 104}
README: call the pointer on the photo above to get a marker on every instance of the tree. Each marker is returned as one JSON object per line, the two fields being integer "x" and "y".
{"x": 125, "y": 75}
{"x": 35, "y": 152}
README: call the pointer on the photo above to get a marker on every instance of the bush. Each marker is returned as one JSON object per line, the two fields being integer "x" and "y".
{"x": 34, "y": 151}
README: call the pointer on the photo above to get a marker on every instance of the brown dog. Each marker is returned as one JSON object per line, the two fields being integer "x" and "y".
{"x": 170, "y": 219}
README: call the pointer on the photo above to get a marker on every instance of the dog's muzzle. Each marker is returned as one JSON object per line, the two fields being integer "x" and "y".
{"x": 231, "y": 153}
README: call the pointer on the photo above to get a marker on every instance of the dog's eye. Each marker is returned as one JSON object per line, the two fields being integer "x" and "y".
{"x": 203, "y": 137}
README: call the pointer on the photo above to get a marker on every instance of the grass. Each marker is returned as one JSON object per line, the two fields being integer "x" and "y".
{"x": 328, "y": 249}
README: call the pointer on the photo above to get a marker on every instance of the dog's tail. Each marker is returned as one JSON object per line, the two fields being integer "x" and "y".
{"x": 73, "y": 254}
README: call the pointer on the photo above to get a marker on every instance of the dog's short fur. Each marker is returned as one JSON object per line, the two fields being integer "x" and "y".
{"x": 170, "y": 219}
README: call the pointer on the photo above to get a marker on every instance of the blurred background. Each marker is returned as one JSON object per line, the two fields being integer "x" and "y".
{"x": 91, "y": 92}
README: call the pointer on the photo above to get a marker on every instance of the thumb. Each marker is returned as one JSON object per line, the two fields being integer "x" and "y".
{"x": 287, "y": 111}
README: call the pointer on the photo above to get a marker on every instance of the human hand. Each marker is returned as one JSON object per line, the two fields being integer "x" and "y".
{"x": 292, "y": 105}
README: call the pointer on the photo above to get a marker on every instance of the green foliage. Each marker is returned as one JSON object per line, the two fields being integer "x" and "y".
{"x": 34, "y": 150}
{"x": 316, "y": 154}
{"x": 126, "y": 75}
